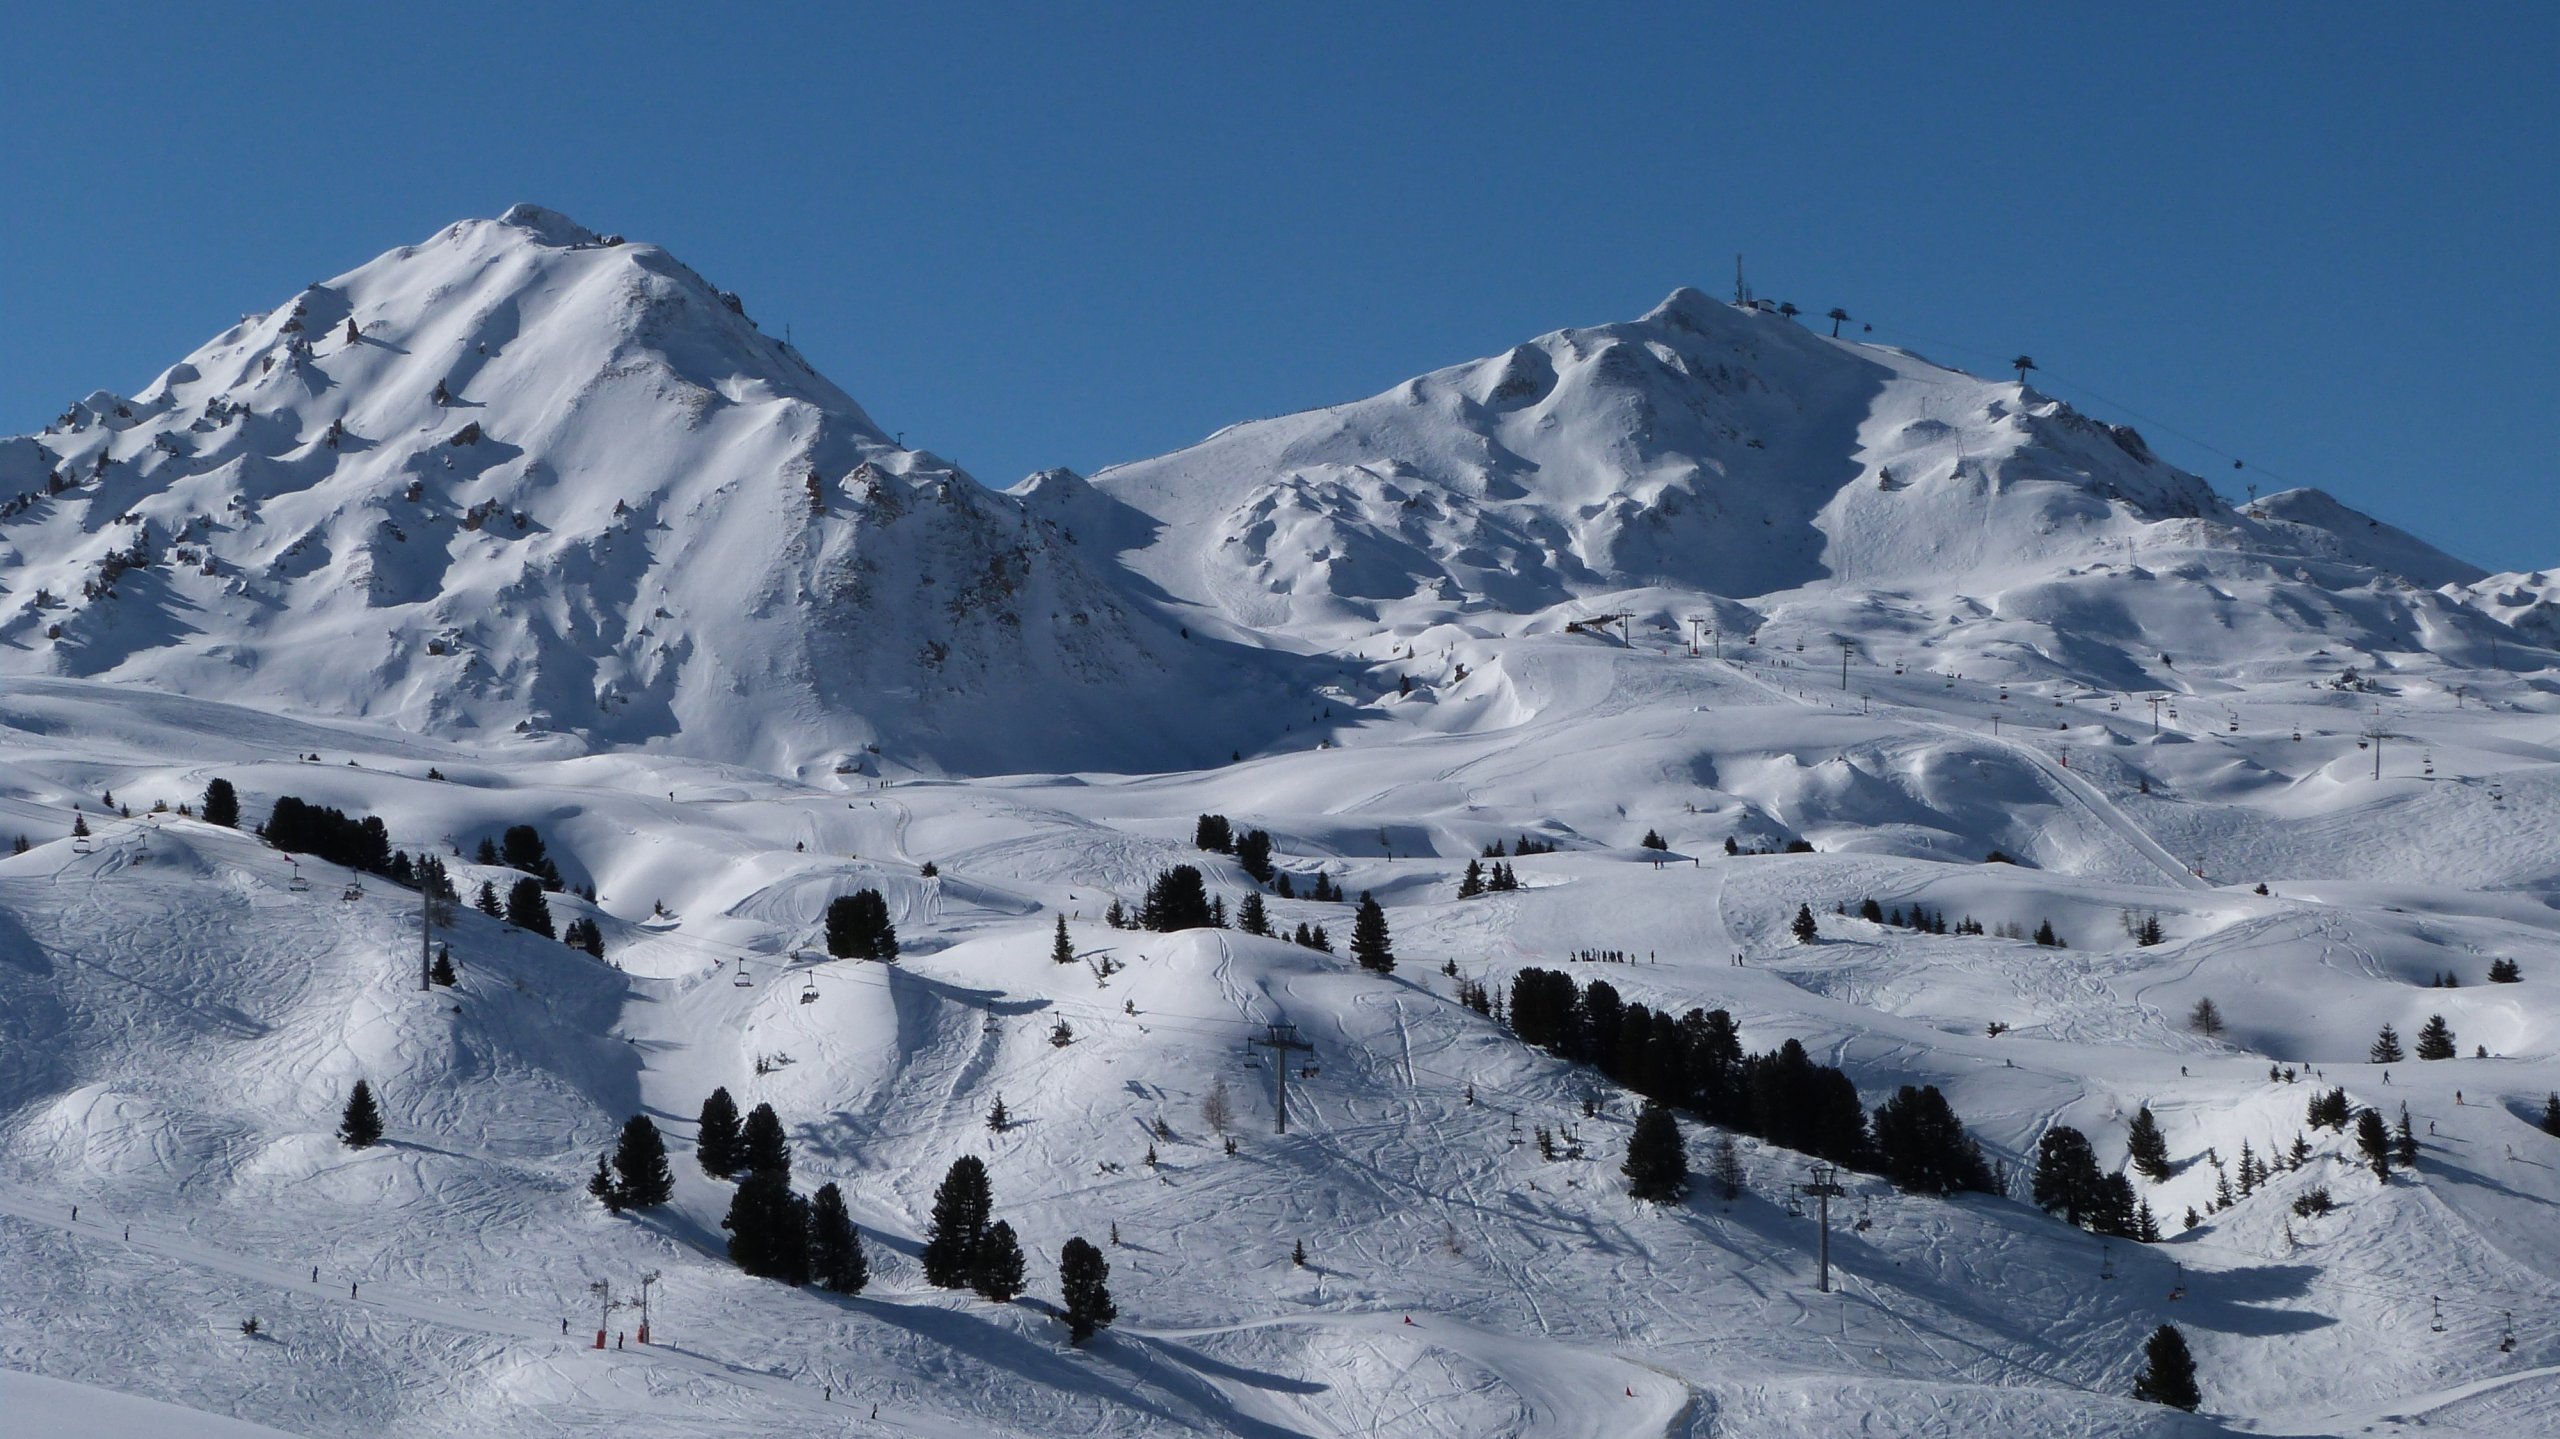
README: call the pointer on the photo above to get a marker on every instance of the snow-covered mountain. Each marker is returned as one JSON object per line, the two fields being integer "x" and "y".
{"x": 526, "y": 478}
{"x": 1728, "y": 619}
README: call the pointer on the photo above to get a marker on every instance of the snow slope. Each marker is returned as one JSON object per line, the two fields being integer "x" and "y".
{"x": 628, "y": 509}
{"x": 1374, "y": 631}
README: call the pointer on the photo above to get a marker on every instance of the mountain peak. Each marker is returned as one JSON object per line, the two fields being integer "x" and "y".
{"x": 549, "y": 226}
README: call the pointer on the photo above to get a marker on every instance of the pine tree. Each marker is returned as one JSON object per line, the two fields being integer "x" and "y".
{"x": 1653, "y": 840}
{"x": 1298, "y": 1254}
{"x": 1804, "y": 929}
{"x": 221, "y": 804}
{"x": 1178, "y": 898}
{"x": 858, "y": 927}
{"x": 1369, "y": 937}
{"x": 762, "y": 1149}
{"x": 1083, "y": 1282}
{"x": 717, "y": 1143}
{"x": 2505, "y": 971}
{"x": 2551, "y": 1113}
{"x": 1923, "y": 1148}
{"x": 2404, "y": 1141}
{"x": 2148, "y": 1146}
{"x": 999, "y": 1117}
{"x": 959, "y": 1225}
{"x": 642, "y": 1179}
{"x": 487, "y": 901}
{"x": 528, "y": 909}
{"x": 79, "y": 824}
{"x": 1253, "y": 854}
{"x": 2375, "y": 1142}
{"x": 2150, "y": 933}
{"x": 1251, "y": 917}
{"x": 2205, "y": 1018}
{"x": 1657, "y": 1165}
{"x": 1472, "y": 883}
{"x": 1062, "y": 950}
{"x": 2066, "y": 1177}
{"x": 769, "y": 1229}
{"x": 2435, "y": 1041}
{"x": 2045, "y": 935}
{"x": 1213, "y": 833}
{"x": 2386, "y": 1047}
{"x": 442, "y": 971}
{"x": 997, "y": 1275}
{"x": 2168, "y": 1371}
{"x": 360, "y": 1124}
{"x": 601, "y": 1185}
{"x": 835, "y": 1247}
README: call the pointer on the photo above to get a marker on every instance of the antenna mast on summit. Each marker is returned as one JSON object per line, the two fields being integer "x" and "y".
{"x": 1741, "y": 290}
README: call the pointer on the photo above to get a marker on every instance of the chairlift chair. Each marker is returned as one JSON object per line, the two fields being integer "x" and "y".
{"x": 809, "y": 989}
{"x": 81, "y": 845}
{"x": 352, "y": 893}
{"x": 742, "y": 981}
{"x": 2113, "y": 706}
{"x": 298, "y": 884}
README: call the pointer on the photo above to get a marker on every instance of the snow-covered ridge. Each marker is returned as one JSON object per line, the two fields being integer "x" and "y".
{"x": 524, "y": 478}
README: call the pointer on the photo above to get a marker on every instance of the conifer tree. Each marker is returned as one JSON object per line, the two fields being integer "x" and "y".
{"x": 2168, "y": 1371}
{"x": 1657, "y": 1164}
{"x": 641, "y": 1177}
{"x": 762, "y": 1149}
{"x": 2066, "y": 1175}
{"x": 769, "y": 1228}
{"x": 442, "y": 971}
{"x": 1062, "y": 950}
{"x": 601, "y": 1185}
{"x": 2404, "y": 1141}
{"x": 1083, "y": 1282}
{"x": 997, "y": 1275}
{"x": 2386, "y": 1047}
{"x": 2435, "y": 1041}
{"x": 2505, "y": 971}
{"x": 1805, "y": 930}
{"x": 528, "y": 909}
{"x": 79, "y": 824}
{"x": 1472, "y": 883}
{"x": 2045, "y": 935}
{"x": 2148, "y": 1146}
{"x": 1923, "y": 1147}
{"x": 487, "y": 901}
{"x": 1251, "y": 917}
{"x": 2205, "y": 1018}
{"x": 1653, "y": 840}
{"x": 2551, "y": 1113}
{"x": 1369, "y": 937}
{"x": 1177, "y": 899}
{"x": 1213, "y": 833}
{"x": 716, "y": 1144}
{"x": 959, "y": 1225}
{"x": 2375, "y": 1142}
{"x": 1253, "y": 854}
{"x": 998, "y": 1117}
{"x": 858, "y": 927}
{"x": 360, "y": 1124}
{"x": 836, "y": 1260}
{"x": 221, "y": 804}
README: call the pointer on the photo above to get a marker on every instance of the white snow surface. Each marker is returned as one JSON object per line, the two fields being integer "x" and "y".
{"x": 1931, "y": 617}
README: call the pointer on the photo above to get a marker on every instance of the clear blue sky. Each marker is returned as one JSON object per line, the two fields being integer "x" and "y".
{"x": 2320, "y": 237}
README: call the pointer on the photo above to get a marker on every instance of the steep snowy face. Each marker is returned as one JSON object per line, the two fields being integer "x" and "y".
{"x": 2529, "y": 603}
{"x": 1704, "y": 448}
{"x": 526, "y": 477}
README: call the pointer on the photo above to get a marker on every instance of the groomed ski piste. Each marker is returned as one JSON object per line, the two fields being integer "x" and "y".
{"x": 180, "y": 1023}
